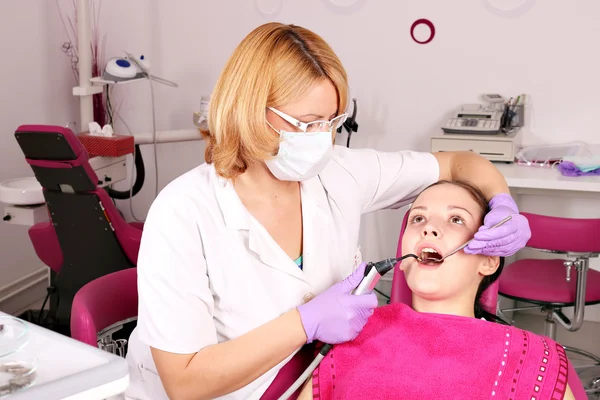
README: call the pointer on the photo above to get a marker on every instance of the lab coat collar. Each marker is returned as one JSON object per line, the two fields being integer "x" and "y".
{"x": 235, "y": 214}
{"x": 317, "y": 236}
{"x": 237, "y": 217}
{"x": 261, "y": 243}
{"x": 315, "y": 251}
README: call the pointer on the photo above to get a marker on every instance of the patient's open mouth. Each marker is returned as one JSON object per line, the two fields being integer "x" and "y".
{"x": 430, "y": 256}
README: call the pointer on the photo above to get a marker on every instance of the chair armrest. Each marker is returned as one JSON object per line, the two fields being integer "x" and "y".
{"x": 46, "y": 245}
{"x": 103, "y": 302}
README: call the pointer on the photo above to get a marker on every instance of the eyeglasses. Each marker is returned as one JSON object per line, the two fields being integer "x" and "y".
{"x": 314, "y": 126}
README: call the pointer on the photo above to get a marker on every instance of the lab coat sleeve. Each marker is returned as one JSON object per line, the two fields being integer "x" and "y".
{"x": 175, "y": 301}
{"x": 387, "y": 180}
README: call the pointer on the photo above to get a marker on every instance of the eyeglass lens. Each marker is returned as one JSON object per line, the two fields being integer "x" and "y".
{"x": 324, "y": 126}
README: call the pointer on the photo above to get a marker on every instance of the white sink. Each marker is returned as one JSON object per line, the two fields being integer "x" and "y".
{"x": 21, "y": 192}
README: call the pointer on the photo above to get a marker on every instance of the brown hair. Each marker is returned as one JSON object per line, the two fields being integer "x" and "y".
{"x": 272, "y": 66}
{"x": 488, "y": 280}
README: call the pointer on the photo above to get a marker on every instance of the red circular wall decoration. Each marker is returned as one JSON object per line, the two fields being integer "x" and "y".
{"x": 424, "y": 22}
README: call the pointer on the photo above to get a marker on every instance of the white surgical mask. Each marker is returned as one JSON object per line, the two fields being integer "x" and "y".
{"x": 301, "y": 156}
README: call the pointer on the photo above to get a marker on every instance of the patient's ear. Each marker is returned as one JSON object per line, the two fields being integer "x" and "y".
{"x": 489, "y": 265}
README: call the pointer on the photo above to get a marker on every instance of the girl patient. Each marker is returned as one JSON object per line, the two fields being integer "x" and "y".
{"x": 446, "y": 346}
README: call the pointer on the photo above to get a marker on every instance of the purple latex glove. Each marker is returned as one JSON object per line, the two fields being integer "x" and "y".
{"x": 567, "y": 168}
{"x": 336, "y": 316}
{"x": 504, "y": 240}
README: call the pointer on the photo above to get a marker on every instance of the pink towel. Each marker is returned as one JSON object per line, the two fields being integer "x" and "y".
{"x": 403, "y": 354}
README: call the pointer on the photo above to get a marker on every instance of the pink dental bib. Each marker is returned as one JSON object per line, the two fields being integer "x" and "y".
{"x": 403, "y": 354}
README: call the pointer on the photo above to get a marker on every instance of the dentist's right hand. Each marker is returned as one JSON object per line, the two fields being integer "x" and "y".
{"x": 336, "y": 316}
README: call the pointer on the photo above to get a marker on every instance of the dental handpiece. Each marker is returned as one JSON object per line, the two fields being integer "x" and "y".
{"x": 373, "y": 272}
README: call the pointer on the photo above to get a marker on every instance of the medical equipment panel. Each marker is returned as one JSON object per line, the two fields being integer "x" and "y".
{"x": 474, "y": 118}
{"x": 498, "y": 147}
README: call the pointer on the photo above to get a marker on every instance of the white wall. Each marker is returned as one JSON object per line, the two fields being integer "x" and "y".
{"x": 404, "y": 90}
{"x": 36, "y": 88}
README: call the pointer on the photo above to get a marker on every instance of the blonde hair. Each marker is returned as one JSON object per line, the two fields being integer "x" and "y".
{"x": 272, "y": 66}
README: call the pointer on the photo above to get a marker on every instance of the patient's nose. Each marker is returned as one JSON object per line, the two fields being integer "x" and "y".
{"x": 431, "y": 231}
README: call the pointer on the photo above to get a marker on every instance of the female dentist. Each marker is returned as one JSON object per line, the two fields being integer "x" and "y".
{"x": 253, "y": 254}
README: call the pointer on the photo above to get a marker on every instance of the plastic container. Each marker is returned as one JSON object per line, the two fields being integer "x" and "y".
{"x": 14, "y": 334}
{"x": 18, "y": 371}
{"x": 548, "y": 155}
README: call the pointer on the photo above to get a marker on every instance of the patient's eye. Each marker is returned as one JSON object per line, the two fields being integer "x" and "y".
{"x": 456, "y": 219}
{"x": 417, "y": 218}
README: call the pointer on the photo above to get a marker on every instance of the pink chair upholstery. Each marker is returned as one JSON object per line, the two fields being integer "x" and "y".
{"x": 46, "y": 245}
{"x": 543, "y": 282}
{"x": 86, "y": 237}
{"x": 137, "y": 225}
{"x": 401, "y": 292}
{"x": 289, "y": 373}
{"x": 103, "y": 302}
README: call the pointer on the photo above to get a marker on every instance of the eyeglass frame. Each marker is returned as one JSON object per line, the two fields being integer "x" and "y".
{"x": 303, "y": 125}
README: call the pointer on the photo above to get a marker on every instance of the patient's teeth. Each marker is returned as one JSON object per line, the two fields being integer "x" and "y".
{"x": 428, "y": 254}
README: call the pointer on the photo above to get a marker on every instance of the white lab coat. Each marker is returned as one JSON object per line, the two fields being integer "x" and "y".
{"x": 209, "y": 272}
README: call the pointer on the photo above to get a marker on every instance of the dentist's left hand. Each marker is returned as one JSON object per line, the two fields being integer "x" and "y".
{"x": 506, "y": 239}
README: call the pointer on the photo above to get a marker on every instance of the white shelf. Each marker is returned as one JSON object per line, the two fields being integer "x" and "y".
{"x": 172, "y": 136}
{"x": 538, "y": 178}
{"x": 100, "y": 81}
{"x": 523, "y": 177}
{"x": 87, "y": 91}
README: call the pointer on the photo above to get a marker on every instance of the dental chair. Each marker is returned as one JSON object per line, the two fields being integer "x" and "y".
{"x": 86, "y": 237}
{"x": 401, "y": 293}
{"x": 563, "y": 281}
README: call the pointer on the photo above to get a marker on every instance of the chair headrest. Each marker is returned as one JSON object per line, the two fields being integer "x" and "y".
{"x": 49, "y": 142}
{"x": 57, "y": 157}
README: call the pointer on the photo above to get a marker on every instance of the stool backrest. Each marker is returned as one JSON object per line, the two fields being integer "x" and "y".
{"x": 564, "y": 234}
{"x": 401, "y": 292}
